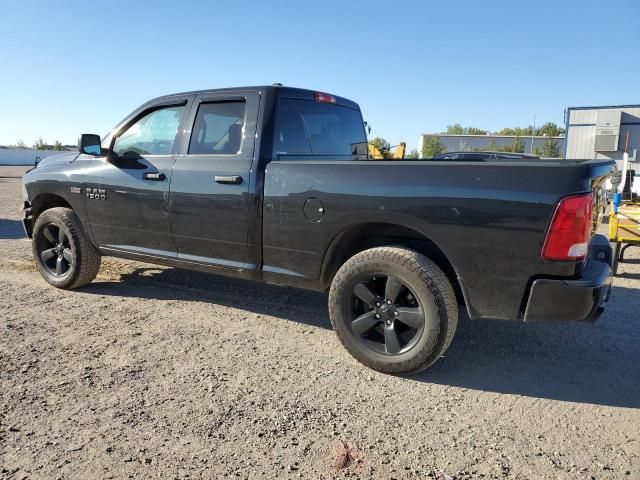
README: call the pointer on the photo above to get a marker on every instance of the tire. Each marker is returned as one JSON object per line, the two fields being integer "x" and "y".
{"x": 373, "y": 330}
{"x": 62, "y": 252}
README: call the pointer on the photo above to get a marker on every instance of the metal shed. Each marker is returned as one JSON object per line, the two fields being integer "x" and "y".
{"x": 601, "y": 132}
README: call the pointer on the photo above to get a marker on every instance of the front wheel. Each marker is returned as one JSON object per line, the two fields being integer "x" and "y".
{"x": 62, "y": 252}
{"x": 393, "y": 309}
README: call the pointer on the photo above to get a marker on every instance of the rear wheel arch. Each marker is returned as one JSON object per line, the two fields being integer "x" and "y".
{"x": 359, "y": 238}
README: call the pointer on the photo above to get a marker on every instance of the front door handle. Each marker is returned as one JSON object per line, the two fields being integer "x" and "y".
{"x": 154, "y": 176}
{"x": 233, "y": 179}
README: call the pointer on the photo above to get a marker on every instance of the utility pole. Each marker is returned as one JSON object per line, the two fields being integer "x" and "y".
{"x": 533, "y": 132}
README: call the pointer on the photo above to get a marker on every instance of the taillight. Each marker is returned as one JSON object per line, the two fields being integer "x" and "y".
{"x": 570, "y": 230}
{"x": 325, "y": 98}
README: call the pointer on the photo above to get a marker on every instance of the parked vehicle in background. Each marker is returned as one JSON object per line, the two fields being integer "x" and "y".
{"x": 484, "y": 156}
{"x": 274, "y": 184}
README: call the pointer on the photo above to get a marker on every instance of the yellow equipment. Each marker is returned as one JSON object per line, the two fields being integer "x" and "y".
{"x": 624, "y": 227}
{"x": 386, "y": 154}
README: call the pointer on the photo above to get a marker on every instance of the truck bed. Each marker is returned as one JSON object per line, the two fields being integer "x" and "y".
{"x": 488, "y": 219}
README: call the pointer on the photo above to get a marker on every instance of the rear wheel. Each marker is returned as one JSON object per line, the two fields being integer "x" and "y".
{"x": 393, "y": 309}
{"x": 62, "y": 252}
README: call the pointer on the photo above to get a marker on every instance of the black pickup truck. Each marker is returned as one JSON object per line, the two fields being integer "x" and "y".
{"x": 273, "y": 183}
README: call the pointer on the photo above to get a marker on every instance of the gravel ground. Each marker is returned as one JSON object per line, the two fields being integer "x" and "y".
{"x": 160, "y": 373}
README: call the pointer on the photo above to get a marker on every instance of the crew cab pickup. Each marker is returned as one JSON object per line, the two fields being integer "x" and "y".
{"x": 274, "y": 184}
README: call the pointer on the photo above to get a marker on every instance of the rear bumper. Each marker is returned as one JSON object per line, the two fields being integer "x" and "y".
{"x": 579, "y": 299}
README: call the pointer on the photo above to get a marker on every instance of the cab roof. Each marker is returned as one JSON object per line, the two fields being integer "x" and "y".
{"x": 276, "y": 90}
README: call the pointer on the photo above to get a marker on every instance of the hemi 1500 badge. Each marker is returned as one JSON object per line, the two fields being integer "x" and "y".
{"x": 75, "y": 189}
{"x": 96, "y": 193}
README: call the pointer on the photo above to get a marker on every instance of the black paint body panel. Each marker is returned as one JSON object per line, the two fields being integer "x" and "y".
{"x": 490, "y": 220}
{"x": 283, "y": 219}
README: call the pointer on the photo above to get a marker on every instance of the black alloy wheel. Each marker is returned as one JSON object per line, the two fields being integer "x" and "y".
{"x": 61, "y": 249}
{"x": 393, "y": 309}
{"x": 54, "y": 249}
{"x": 386, "y": 315}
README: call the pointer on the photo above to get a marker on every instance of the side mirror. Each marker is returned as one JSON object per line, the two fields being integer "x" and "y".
{"x": 90, "y": 144}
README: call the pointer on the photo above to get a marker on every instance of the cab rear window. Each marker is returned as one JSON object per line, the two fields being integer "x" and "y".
{"x": 306, "y": 129}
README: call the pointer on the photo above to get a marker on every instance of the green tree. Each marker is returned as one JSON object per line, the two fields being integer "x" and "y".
{"x": 517, "y": 146}
{"x": 517, "y": 131}
{"x": 380, "y": 143}
{"x": 550, "y": 129}
{"x": 39, "y": 144}
{"x": 432, "y": 147}
{"x": 58, "y": 146}
{"x": 550, "y": 149}
{"x": 21, "y": 144}
{"x": 455, "y": 129}
{"x": 413, "y": 154}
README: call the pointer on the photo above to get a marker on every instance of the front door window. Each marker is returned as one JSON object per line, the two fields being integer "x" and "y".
{"x": 153, "y": 134}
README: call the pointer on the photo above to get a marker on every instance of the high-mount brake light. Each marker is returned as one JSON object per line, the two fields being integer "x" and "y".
{"x": 325, "y": 98}
{"x": 570, "y": 230}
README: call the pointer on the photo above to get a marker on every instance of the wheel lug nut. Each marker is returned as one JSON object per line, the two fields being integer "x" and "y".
{"x": 388, "y": 322}
{"x": 377, "y": 315}
{"x": 396, "y": 313}
{"x": 389, "y": 302}
{"x": 377, "y": 304}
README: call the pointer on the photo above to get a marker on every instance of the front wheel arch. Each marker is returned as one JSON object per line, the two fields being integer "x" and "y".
{"x": 45, "y": 202}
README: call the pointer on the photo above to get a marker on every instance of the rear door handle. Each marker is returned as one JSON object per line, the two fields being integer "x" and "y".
{"x": 154, "y": 176}
{"x": 233, "y": 179}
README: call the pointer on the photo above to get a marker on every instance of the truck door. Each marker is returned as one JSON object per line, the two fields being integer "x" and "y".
{"x": 127, "y": 191}
{"x": 210, "y": 199}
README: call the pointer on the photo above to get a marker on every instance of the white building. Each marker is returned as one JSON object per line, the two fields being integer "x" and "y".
{"x": 601, "y": 132}
{"x": 605, "y": 132}
{"x": 24, "y": 156}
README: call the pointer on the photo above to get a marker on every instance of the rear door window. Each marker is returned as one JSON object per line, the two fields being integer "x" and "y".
{"x": 309, "y": 129}
{"x": 218, "y": 128}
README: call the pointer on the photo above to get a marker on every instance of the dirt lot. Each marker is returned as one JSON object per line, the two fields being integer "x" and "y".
{"x": 160, "y": 373}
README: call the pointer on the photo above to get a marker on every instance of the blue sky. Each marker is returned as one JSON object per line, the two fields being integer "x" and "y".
{"x": 417, "y": 66}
